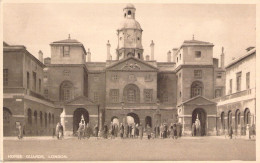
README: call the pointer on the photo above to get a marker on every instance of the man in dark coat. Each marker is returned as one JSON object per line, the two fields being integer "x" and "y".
{"x": 121, "y": 131}
{"x": 175, "y": 133}
{"x": 130, "y": 131}
{"x": 105, "y": 131}
{"x": 126, "y": 130}
{"x": 230, "y": 133}
{"x": 96, "y": 131}
{"x": 193, "y": 129}
{"x": 178, "y": 127}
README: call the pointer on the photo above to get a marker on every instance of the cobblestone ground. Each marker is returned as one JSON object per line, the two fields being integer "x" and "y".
{"x": 194, "y": 149}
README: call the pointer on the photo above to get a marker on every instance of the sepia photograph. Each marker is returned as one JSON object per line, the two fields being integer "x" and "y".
{"x": 120, "y": 81}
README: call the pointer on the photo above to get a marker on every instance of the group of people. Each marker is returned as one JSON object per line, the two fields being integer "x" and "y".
{"x": 137, "y": 131}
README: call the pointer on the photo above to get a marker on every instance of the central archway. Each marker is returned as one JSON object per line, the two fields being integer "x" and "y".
{"x": 202, "y": 115}
{"x": 132, "y": 118}
{"x": 77, "y": 117}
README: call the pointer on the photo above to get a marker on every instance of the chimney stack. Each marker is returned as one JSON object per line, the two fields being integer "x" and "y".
{"x": 152, "y": 50}
{"x": 169, "y": 57}
{"x": 174, "y": 50}
{"x": 108, "y": 51}
{"x": 222, "y": 58}
{"x": 89, "y": 55}
{"x": 147, "y": 57}
{"x": 40, "y": 55}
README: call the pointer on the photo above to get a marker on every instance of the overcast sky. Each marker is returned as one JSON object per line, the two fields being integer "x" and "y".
{"x": 37, "y": 25}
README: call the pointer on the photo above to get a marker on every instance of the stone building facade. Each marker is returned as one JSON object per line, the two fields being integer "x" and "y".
{"x": 238, "y": 107}
{"x": 69, "y": 85}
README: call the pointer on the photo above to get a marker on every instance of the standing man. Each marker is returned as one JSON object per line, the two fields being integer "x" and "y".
{"x": 161, "y": 131}
{"x": 230, "y": 132}
{"x": 121, "y": 130}
{"x": 193, "y": 129}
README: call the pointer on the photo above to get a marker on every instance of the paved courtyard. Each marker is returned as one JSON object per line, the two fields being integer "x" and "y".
{"x": 194, "y": 149}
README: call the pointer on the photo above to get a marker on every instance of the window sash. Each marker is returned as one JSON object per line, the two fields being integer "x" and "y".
{"x": 5, "y": 77}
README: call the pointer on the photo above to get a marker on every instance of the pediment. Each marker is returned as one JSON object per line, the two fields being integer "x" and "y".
{"x": 132, "y": 64}
{"x": 199, "y": 100}
{"x": 81, "y": 100}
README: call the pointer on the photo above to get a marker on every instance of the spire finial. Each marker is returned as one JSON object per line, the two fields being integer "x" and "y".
{"x": 222, "y": 49}
{"x": 69, "y": 36}
{"x": 193, "y": 37}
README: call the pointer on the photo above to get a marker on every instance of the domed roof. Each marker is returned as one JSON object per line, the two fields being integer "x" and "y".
{"x": 129, "y": 5}
{"x": 129, "y": 23}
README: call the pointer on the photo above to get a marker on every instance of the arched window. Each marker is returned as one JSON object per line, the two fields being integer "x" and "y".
{"x": 35, "y": 117}
{"x": 49, "y": 118}
{"x": 29, "y": 114}
{"x": 129, "y": 12}
{"x": 66, "y": 91}
{"x": 131, "y": 94}
{"x": 229, "y": 118}
{"x": 222, "y": 120}
{"x": 45, "y": 119}
{"x": 247, "y": 116}
{"x": 196, "y": 88}
{"x": 41, "y": 118}
{"x": 130, "y": 54}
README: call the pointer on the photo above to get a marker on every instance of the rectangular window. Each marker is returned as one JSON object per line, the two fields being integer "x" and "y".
{"x": 67, "y": 94}
{"x": 96, "y": 97}
{"x": 148, "y": 77}
{"x": 239, "y": 81}
{"x": 40, "y": 85}
{"x": 248, "y": 80}
{"x": 34, "y": 81}
{"x": 230, "y": 86}
{"x": 148, "y": 95}
{"x": 114, "y": 95}
{"x": 198, "y": 73}
{"x": 28, "y": 80}
{"x": 114, "y": 77}
{"x": 5, "y": 77}
{"x": 66, "y": 51}
{"x": 197, "y": 54}
{"x": 165, "y": 97}
{"x": 218, "y": 93}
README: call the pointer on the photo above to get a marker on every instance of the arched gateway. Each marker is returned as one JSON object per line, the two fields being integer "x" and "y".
{"x": 202, "y": 116}
{"x": 134, "y": 117}
{"x": 77, "y": 117}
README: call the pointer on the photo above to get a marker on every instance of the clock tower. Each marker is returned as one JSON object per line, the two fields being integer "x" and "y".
{"x": 129, "y": 35}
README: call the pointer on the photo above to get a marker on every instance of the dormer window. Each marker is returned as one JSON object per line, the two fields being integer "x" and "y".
{"x": 197, "y": 54}
{"x": 66, "y": 51}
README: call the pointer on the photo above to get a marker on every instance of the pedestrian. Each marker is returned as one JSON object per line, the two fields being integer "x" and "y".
{"x": 230, "y": 132}
{"x": 175, "y": 133}
{"x": 148, "y": 132}
{"x": 133, "y": 130}
{"x": 58, "y": 130}
{"x": 88, "y": 131}
{"x": 193, "y": 129}
{"x": 81, "y": 129}
{"x": 121, "y": 130}
{"x": 126, "y": 131}
{"x": 178, "y": 128}
{"x": 105, "y": 131}
{"x": 130, "y": 131}
{"x": 161, "y": 131}
{"x": 20, "y": 131}
{"x": 164, "y": 131}
{"x": 141, "y": 131}
{"x": 171, "y": 131}
{"x": 96, "y": 131}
